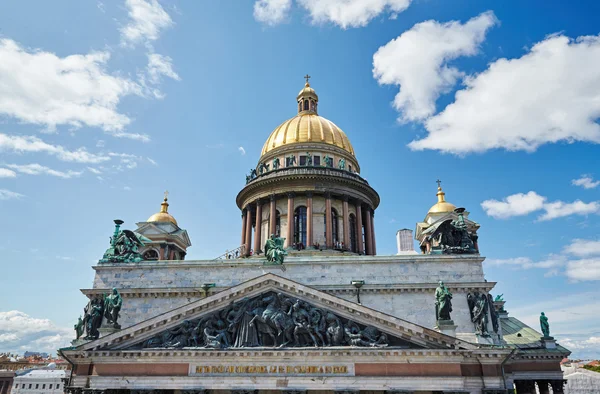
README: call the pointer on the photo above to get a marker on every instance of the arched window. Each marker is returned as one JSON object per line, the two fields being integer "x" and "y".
{"x": 150, "y": 255}
{"x": 300, "y": 226}
{"x": 352, "y": 224}
{"x": 306, "y": 105}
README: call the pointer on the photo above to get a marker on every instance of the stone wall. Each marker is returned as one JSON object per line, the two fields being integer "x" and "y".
{"x": 402, "y": 286}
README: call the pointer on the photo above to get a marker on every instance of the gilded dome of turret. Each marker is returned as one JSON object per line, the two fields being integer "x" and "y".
{"x": 307, "y": 127}
{"x": 163, "y": 215}
{"x": 442, "y": 206}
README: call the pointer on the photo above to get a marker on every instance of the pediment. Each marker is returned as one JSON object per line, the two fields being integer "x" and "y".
{"x": 223, "y": 321}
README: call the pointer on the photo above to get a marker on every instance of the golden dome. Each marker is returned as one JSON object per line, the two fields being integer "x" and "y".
{"x": 442, "y": 206}
{"x": 307, "y": 126}
{"x": 163, "y": 215}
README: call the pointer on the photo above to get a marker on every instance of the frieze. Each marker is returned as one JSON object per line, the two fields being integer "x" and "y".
{"x": 272, "y": 370}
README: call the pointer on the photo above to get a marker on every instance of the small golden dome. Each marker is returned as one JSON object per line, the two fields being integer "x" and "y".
{"x": 163, "y": 215}
{"x": 442, "y": 206}
{"x": 307, "y": 126}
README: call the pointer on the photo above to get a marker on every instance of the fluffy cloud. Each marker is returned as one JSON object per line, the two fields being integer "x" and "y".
{"x": 242, "y": 150}
{"x": 6, "y": 173}
{"x": 515, "y": 205}
{"x": 585, "y": 269}
{"x": 159, "y": 66}
{"x": 586, "y": 181}
{"x": 583, "y": 248}
{"x": 417, "y": 61}
{"x": 351, "y": 13}
{"x": 147, "y": 19}
{"x": 21, "y": 144}
{"x": 553, "y": 261}
{"x": 272, "y": 12}
{"x": 41, "y": 88}
{"x": 548, "y": 95}
{"x": 8, "y": 195}
{"x": 20, "y": 332}
{"x": 38, "y": 169}
{"x": 523, "y": 204}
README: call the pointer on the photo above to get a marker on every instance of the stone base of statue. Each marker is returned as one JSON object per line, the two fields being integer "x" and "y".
{"x": 548, "y": 342}
{"x": 104, "y": 331}
{"x": 484, "y": 339}
{"x": 497, "y": 339}
{"x": 80, "y": 341}
{"x": 446, "y": 327}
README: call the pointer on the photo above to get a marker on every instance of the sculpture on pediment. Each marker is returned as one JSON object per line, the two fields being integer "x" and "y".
{"x": 443, "y": 302}
{"x": 544, "y": 325}
{"x": 112, "y": 307}
{"x": 92, "y": 318}
{"x": 274, "y": 250}
{"x": 124, "y": 246}
{"x": 267, "y": 320}
{"x": 478, "y": 307}
{"x": 450, "y": 237}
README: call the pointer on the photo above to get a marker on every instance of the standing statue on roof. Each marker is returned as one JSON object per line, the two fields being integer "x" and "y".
{"x": 443, "y": 302}
{"x": 544, "y": 325}
{"x": 112, "y": 307}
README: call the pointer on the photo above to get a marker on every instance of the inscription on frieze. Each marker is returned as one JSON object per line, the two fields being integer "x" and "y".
{"x": 272, "y": 370}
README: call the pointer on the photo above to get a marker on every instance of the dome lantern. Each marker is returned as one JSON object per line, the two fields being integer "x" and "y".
{"x": 307, "y": 99}
{"x": 442, "y": 205}
{"x": 163, "y": 215}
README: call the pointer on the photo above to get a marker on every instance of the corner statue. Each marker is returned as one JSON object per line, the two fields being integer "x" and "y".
{"x": 124, "y": 246}
{"x": 544, "y": 325}
{"x": 112, "y": 306}
{"x": 443, "y": 302}
{"x": 274, "y": 250}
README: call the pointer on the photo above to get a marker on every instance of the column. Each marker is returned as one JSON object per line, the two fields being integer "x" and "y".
{"x": 368, "y": 232}
{"x": 525, "y": 386}
{"x": 359, "y": 228}
{"x": 272, "y": 216}
{"x": 346, "y": 238}
{"x": 248, "y": 230}
{"x": 258, "y": 228}
{"x": 243, "y": 242}
{"x": 543, "y": 386}
{"x": 328, "y": 224}
{"x": 558, "y": 386}
{"x": 373, "y": 243}
{"x": 309, "y": 220}
{"x": 289, "y": 242}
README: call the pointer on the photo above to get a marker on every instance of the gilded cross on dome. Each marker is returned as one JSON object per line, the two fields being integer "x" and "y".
{"x": 439, "y": 183}
{"x": 307, "y": 77}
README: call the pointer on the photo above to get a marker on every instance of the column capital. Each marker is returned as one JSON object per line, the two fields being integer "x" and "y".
{"x": 327, "y": 195}
{"x": 309, "y": 194}
{"x": 272, "y": 197}
{"x": 291, "y": 194}
{"x": 258, "y": 201}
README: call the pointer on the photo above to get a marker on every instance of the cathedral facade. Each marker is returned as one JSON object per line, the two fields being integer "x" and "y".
{"x": 329, "y": 316}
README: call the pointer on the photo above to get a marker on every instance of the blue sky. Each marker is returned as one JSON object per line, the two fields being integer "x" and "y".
{"x": 104, "y": 105}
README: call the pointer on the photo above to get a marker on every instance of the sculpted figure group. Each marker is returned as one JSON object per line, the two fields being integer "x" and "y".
{"x": 107, "y": 307}
{"x": 270, "y": 320}
{"x": 124, "y": 246}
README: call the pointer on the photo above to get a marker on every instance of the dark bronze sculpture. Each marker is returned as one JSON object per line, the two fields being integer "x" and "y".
{"x": 276, "y": 163}
{"x": 92, "y": 319}
{"x": 544, "y": 325}
{"x": 291, "y": 160}
{"x": 79, "y": 328}
{"x": 309, "y": 160}
{"x": 268, "y": 320}
{"x": 493, "y": 313}
{"x": 478, "y": 306}
{"x": 342, "y": 164}
{"x": 443, "y": 302}
{"x": 124, "y": 246}
{"x": 112, "y": 306}
{"x": 262, "y": 168}
{"x": 274, "y": 250}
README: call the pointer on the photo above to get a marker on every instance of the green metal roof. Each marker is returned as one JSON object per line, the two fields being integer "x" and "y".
{"x": 520, "y": 335}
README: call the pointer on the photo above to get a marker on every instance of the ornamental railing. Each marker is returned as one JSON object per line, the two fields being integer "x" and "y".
{"x": 233, "y": 254}
{"x": 308, "y": 170}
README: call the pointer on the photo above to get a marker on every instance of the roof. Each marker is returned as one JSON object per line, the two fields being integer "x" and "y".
{"x": 520, "y": 335}
{"x": 41, "y": 374}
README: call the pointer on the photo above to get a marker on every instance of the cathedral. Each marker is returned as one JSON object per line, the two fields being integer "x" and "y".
{"x": 304, "y": 304}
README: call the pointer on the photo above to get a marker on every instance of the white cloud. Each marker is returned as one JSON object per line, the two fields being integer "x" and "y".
{"x": 417, "y": 61}
{"x": 147, "y": 20}
{"x": 523, "y": 204}
{"x": 41, "y": 88}
{"x": 158, "y": 66}
{"x": 19, "y": 331}
{"x": 552, "y": 261}
{"x": 584, "y": 269}
{"x": 586, "y": 181}
{"x": 548, "y": 95}
{"x": 126, "y": 188}
{"x": 272, "y": 12}
{"x": 6, "y": 173}
{"x": 242, "y": 150}
{"x": 94, "y": 170}
{"x": 559, "y": 209}
{"x": 583, "y": 248}
{"x": 351, "y": 13}
{"x": 515, "y": 205}
{"x": 21, "y": 144}
{"x": 153, "y": 162}
{"x": 8, "y": 195}
{"x": 37, "y": 169}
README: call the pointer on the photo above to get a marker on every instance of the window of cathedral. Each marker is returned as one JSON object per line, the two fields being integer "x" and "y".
{"x": 349, "y": 167}
{"x": 306, "y": 105}
{"x": 302, "y": 160}
{"x": 300, "y": 226}
{"x": 352, "y": 228}
{"x": 277, "y": 224}
{"x": 317, "y": 161}
{"x": 150, "y": 255}
{"x": 334, "y": 225}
